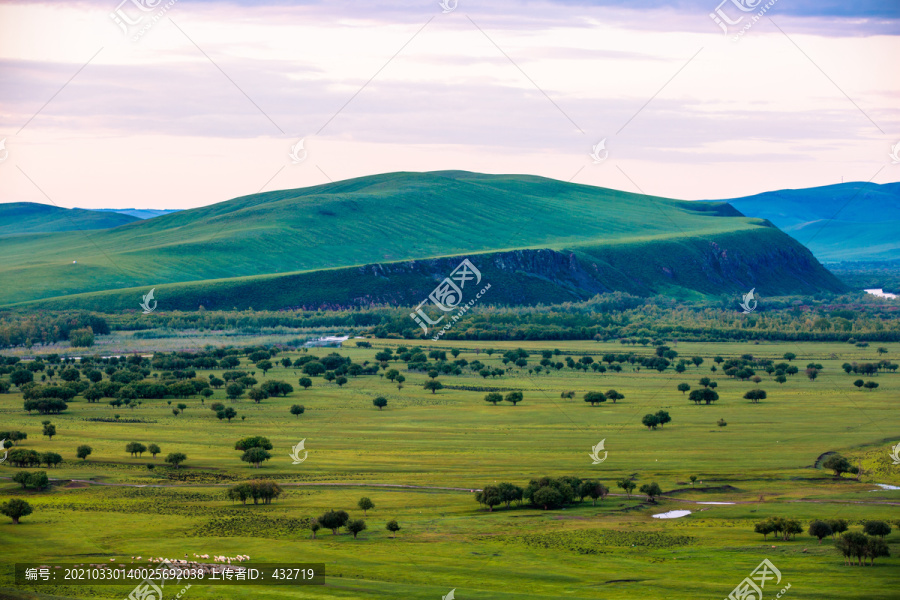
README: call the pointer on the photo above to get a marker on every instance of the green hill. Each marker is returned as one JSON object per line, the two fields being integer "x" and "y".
{"x": 551, "y": 240}
{"x": 846, "y": 222}
{"x": 28, "y": 217}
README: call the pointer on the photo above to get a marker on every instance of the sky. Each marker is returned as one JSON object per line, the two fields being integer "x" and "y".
{"x": 184, "y": 103}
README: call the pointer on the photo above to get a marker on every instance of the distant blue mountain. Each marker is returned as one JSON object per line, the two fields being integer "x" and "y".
{"x": 140, "y": 213}
{"x": 844, "y": 222}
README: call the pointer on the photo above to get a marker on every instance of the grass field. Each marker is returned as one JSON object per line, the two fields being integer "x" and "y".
{"x": 762, "y": 461}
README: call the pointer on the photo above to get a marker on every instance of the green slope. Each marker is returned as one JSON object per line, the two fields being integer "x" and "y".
{"x": 28, "y": 217}
{"x": 850, "y": 221}
{"x": 377, "y": 219}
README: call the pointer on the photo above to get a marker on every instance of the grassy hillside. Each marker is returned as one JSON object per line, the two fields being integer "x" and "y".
{"x": 28, "y": 217}
{"x": 380, "y": 219}
{"x": 851, "y": 221}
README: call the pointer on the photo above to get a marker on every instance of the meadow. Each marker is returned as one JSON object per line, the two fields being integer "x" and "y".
{"x": 766, "y": 461}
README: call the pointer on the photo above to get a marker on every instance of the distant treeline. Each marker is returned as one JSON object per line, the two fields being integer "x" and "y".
{"x": 614, "y": 316}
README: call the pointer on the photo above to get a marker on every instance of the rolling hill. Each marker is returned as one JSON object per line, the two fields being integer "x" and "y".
{"x": 28, "y": 217}
{"x": 388, "y": 238}
{"x": 845, "y": 222}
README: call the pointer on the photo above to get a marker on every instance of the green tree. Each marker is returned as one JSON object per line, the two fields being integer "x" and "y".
{"x": 651, "y": 490}
{"x": 593, "y": 489}
{"x": 789, "y": 356}
{"x": 256, "y": 456}
{"x": 684, "y": 387}
{"x": 83, "y": 451}
{"x": 392, "y": 526}
{"x": 650, "y": 421}
{"x": 153, "y": 449}
{"x": 234, "y": 391}
{"x": 514, "y": 397}
{"x": 595, "y": 398}
{"x": 38, "y": 480}
{"x": 663, "y": 417}
{"x": 314, "y": 526}
{"x": 819, "y": 529}
{"x": 22, "y": 478}
{"x": 380, "y": 402}
{"x": 306, "y": 382}
{"x": 15, "y": 509}
{"x": 334, "y": 520}
{"x": 298, "y": 409}
{"x": 176, "y": 458}
{"x": 693, "y": 479}
{"x": 356, "y": 526}
{"x": 51, "y": 459}
{"x": 755, "y": 396}
{"x": 264, "y": 365}
{"x": 838, "y": 464}
{"x": 433, "y": 385}
{"x": 49, "y": 430}
{"x": 626, "y": 484}
{"x": 877, "y": 528}
{"x": 493, "y": 398}
{"x": 490, "y": 496}
{"x": 365, "y": 504}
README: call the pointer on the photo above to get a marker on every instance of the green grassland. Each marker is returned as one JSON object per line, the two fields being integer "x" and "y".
{"x": 763, "y": 461}
{"x": 390, "y": 218}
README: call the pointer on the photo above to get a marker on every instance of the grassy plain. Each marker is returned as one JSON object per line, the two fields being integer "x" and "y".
{"x": 762, "y": 460}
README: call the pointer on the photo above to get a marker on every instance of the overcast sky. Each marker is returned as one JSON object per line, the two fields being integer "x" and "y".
{"x": 185, "y": 103}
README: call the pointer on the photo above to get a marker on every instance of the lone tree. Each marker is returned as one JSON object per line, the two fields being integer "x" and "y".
{"x": 365, "y": 504}
{"x": 83, "y": 451}
{"x": 433, "y": 385}
{"x": 153, "y": 449}
{"x": 392, "y": 526}
{"x": 819, "y": 529}
{"x": 15, "y": 509}
{"x": 651, "y": 490}
{"x": 683, "y": 387}
{"x": 693, "y": 479}
{"x": 49, "y": 430}
{"x": 305, "y": 382}
{"x": 356, "y": 526}
{"x": 493, "y": 398}
{"x": 838, "y": 464}
{"x": 755, "y": 396}
{"x": 298, "y": 409}
{"x": 176, "y": 458}
{"x": 514, "y": 397}
{"x": 380, "y": 402}
{"x": 594, "y": 398}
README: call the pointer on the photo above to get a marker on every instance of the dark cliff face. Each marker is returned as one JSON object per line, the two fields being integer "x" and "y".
{"x": 765, "y": 259}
